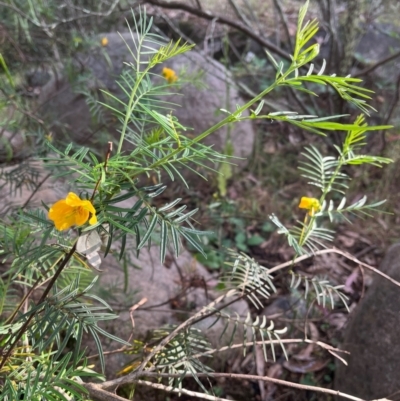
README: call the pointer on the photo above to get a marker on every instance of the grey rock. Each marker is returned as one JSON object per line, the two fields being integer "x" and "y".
{"x": 198, "y": 108}
{"x": 372, "y": 338}
{"x": 379, "y": 42}
{"x": 172, "y": 293}
{"x": 14, "y": 146}
{"x": 176, "y": 286}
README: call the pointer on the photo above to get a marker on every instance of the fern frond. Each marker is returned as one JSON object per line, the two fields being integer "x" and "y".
{"x": 359, "y": 207}
{"x": 292, "y": 239}
{"x": 321, "y": 170}
{"x": 311, "y": 236}
{"x": 249, "y": 278}
{"x": 182, "y": 354}
{"x": 168, "y": 51}
{"x": 323, "y": 289}
{"x": 258, "y": 329}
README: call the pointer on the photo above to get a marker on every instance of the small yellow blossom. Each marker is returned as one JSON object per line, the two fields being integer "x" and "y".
{"x": 104, "y": 41}
{"x": 72, "y": 211}
{"x": 311, "y": 204}
{"x": 169, "y": 75}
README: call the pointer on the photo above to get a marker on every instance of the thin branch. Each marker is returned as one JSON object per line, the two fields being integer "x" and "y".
{"x": 210, "y": 37}
{"x": 253, "y": 15}
{"x": 209, "y": 16}
{"x": 282, "y": 16}
{"x": 150, "y": 372}
{"x": 99, "y": 390}
{"x": 325, "y": 346}
{"x": 22, "y": 330}
{"x": 202, "y": 314}
{"x": 377, "y": 64}
{"x": 199, "y": 4}
{"x": 332, "y": 250}
{"x": 250, "y": 377}
{"x": 394, "y": 102}
{"x": 96, "y": 392}
{"x": 171, "y": 389}
{"x": 209, "y": 311}
{"x": 38, "y": 186}
{"x": 390, "y": 112}
{"x": 108, "y": 153}
{"x": 239, "y": 13}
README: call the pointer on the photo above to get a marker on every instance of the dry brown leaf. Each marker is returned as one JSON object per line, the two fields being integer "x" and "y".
{"x": 350, "y": 280}
{"x": 338, "y": 320}
{"x": 260, "y": 369}
{"x": 346, "y": 241}
{"x": 274, "y": 371}
{"x": 305, "y": 366}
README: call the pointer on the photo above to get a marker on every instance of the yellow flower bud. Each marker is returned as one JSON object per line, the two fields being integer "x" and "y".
{"x": 169, "y": 75}
{"x": 311, "y": 204}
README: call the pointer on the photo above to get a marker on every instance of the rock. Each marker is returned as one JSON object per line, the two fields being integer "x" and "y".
{"x": 173, "y": 292}
{"x": 379, "y": 42}
{"x": 372, "y": 338}
{"x": 375, "y": 43}
{"x": 179, "y": 286}
{"x": 199, "y": 107}
{"x": 14, "y": 146}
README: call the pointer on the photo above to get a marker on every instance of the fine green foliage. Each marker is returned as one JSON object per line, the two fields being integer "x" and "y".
{"x": 246, "y": 275}
{"x": 324, "y": 291}
{"x": 326, "y": 173}
{"x": 41, "y": 336}
{"x": 183, "y": 354}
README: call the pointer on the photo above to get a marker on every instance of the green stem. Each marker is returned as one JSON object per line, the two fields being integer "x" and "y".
{"x": 327, "y": 189}
{"x": 226, "y": 120}
{"x": 131, "y": 106}
{"x": 24, "y": 327}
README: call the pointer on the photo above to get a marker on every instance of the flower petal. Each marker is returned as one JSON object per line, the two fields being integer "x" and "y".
{"x": 93, "y": 219}
{"x": 309, "y": 203}
{"x": 87, "y": 205}
{"x": 73, "y": 199}
{"x": 62, "y": 215}
{"x": 81, "y": 216}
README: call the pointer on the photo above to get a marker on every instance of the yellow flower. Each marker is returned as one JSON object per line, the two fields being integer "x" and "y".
{"x": 72, "y": 211}
{"x": 104, "y": 41}
{"x": 169, "y": 75}
{"x": 311, "y": 204}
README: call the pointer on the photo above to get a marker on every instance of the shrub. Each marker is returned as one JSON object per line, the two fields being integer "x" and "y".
{"x": 45, "y": 247}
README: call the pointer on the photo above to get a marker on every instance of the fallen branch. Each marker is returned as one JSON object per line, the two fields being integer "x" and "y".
{"x": 333, "y": 250}
{"x": 209, "y": 16}
{"x": 103, "y": 395}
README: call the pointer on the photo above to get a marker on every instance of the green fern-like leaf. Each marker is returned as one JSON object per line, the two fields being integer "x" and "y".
{"x": 323, "y": 290}
{"x": 248, "y": 277}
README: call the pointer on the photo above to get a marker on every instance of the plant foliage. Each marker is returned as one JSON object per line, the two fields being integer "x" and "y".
{"x": 41, "y": 337}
